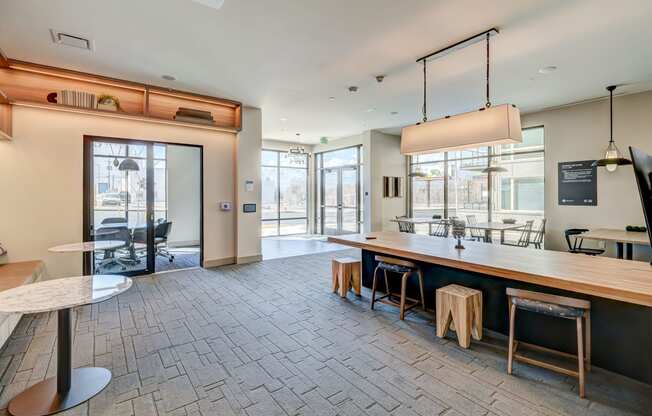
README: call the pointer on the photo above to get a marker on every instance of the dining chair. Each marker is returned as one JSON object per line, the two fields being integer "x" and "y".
{"x": 537, "y": 238}
{"x": 441, "y": 229}
{"x": 476, "y": 234}
{"x": 576, "y": 246}
{"x": 524, "y": 238}
{"x": 405, "y": 226}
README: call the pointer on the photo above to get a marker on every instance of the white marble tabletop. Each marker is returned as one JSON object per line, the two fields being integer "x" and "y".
{"x": 87, "y": 246}
{"x": 55, "y": 294}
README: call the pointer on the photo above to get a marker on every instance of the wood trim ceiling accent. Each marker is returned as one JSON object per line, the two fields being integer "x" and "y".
{"x": 622, "y": 280}
{"x": 28, "y": 84}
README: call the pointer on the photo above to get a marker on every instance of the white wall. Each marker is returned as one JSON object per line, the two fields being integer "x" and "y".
{"x": 183, "y": 194}
{"x": 386, "y": 160}
{"x": 581, "y": 132}
{"x": 247, "y": 155}
{"x": 41, "y": 178}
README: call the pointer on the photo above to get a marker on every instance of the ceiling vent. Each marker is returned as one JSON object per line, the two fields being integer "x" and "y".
{"x": 76, "y": 41}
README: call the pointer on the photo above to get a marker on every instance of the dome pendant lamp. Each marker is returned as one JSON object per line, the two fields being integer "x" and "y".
{"x": 612, "y": 156}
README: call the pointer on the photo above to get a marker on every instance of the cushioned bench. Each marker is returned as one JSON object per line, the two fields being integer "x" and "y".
{"x": 14, "y": 275}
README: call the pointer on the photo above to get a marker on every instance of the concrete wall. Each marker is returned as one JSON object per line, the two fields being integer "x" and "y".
{"x": 41, "y": 178}
{"x": 581, "y": 132}
{"x": 183, "y": 194}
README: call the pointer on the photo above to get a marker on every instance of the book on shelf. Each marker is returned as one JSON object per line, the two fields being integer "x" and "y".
{"x": 195, "y": 120}
{"x": 190, "y": 112}
{"x": 77, "y": 99}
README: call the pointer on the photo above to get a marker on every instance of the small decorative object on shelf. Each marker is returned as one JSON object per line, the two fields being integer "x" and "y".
{"x": 459, "y": 231}
{"x": 108, "y": 103}
{"x": 636, "y": 228}
{"x": 190, "y": 115}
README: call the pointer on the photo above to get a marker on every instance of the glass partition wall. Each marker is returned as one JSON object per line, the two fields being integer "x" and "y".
{"x": 284, "y": 178}
{"x": 456, "y": 183}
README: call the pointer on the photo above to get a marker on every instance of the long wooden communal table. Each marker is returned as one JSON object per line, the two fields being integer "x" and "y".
{"x": 620, "y": 291}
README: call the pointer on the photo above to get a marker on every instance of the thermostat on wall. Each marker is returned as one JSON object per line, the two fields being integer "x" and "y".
{"x": 248, "y": 207}
{"x": 225, "y": 206}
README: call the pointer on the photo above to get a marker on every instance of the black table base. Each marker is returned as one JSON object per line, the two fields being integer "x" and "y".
{"x": 69, "y": 388}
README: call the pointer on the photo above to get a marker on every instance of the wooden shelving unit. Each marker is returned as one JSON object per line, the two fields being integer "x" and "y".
{"x": 27, "y": 84}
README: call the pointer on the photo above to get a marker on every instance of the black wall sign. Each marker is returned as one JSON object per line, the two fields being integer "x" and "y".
{"x": 578, "y": 183}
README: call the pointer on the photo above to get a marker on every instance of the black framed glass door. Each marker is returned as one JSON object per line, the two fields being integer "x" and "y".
{"x": 119, "y": 205}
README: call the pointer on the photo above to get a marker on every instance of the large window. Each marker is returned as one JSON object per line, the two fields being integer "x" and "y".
{"x": 457, "y": 184}
{"x": 284, "y": 179}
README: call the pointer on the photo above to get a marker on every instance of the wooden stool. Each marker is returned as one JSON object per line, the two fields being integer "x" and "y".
{"x": 346, "y": 274}
{"x": 462, "y": 306}
{"x": 561, "y": 307}
{"x": 405, "y": 268}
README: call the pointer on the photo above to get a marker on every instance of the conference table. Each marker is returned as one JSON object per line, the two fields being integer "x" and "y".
{"x": 620, "y": 291}
{"x": 625, "y": 240}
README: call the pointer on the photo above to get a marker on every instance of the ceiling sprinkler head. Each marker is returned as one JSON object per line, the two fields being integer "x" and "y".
{"x": 353, "y": 88}
{"x": 380, "y": 78}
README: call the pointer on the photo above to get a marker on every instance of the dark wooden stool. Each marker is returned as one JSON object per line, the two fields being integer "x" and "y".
{"x": 561, "y": 307}
{"x": 405, "y": 269}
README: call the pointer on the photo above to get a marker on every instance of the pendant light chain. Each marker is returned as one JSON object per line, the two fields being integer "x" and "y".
{"x": 425, "y": 108}
{"x": 488, "y": 103}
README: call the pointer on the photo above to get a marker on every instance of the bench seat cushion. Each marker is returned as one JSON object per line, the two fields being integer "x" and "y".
{"x": 547, "y": 308}
{"x": 396, "y": 268}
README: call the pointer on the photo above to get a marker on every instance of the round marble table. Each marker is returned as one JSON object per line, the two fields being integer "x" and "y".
{"x": 70, "y": 387}
{"x": 87, "y": 246}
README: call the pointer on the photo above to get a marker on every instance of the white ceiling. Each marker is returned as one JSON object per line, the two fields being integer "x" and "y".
{"x": 289, "y": 56}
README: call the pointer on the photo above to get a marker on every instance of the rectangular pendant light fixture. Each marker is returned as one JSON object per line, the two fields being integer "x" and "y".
{"x": 489, "y": 126}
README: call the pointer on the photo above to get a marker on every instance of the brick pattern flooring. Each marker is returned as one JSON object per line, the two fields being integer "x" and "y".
{"x": 269, "y": 339}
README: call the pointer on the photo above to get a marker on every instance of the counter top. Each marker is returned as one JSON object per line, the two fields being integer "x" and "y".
{"x": 622, "y": 280}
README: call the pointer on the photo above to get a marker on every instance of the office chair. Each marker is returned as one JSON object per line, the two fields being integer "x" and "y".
{"x": 577, "y": 248}
{"x": 161, "y": 233}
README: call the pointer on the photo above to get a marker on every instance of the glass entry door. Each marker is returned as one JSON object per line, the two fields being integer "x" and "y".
{"x": 340, "y": 195}
{"x": 119, "y": 205}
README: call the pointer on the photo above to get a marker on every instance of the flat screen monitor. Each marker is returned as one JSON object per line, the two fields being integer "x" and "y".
{"x": 643, "y": 171}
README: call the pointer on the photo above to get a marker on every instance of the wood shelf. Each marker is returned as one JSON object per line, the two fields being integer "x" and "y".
{"x": 28, "y": 85}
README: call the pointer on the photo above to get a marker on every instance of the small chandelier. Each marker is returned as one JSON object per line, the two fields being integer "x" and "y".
{"x": 612, "y": 156}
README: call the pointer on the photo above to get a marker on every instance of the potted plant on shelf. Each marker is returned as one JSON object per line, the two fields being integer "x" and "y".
{"x": 108, "y": 103}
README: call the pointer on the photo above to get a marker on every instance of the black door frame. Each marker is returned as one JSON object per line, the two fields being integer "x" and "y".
{"x": 88, "y": 207}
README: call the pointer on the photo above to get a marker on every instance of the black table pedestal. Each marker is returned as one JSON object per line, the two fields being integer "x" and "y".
{"x": 71, "y": 387}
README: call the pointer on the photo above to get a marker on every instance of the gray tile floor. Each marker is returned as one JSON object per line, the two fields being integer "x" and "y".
{"x": 270, "y": 339}
{"x": 290, "y": 246}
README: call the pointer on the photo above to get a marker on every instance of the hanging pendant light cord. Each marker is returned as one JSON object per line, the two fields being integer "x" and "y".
{"x": 611, "y": 116}
{"x": 425, "y": 108}
{"x": 488, "y": 103}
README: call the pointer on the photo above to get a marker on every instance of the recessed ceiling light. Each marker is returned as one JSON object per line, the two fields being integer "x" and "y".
{"x": 547, "y": 69}
{"x": 394, "y": 113}
{"x": 331, "y": 98}
{"x": 168, "y": 78}
{"x": 369, "y": 110}
{"x": 283, "y": 119}
{"x": 213, "y": 4}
